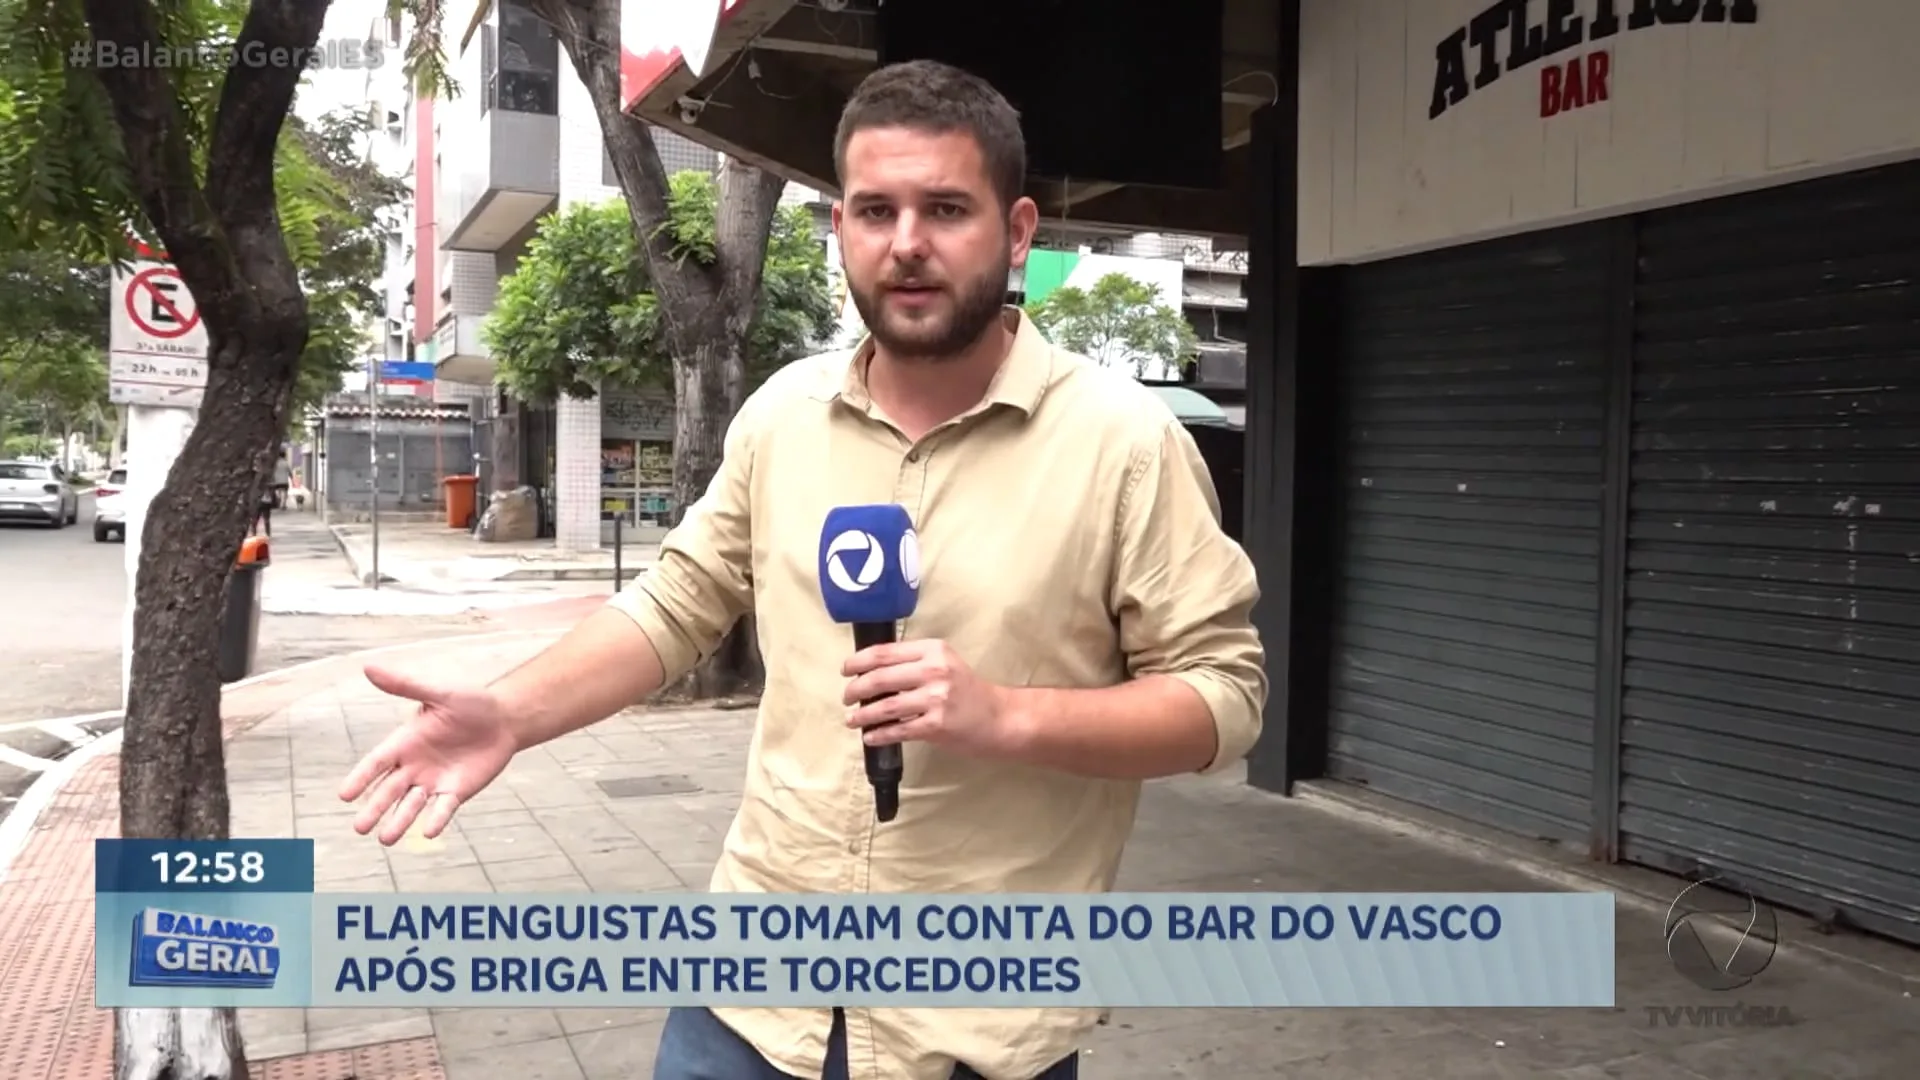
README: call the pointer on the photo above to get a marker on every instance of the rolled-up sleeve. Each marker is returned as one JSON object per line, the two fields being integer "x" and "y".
{"x": 1184, "y": 591}
{"x": 702, "y": 582}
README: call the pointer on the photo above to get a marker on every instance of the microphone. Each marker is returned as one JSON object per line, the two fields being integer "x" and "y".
{"x": 870, "y": 577}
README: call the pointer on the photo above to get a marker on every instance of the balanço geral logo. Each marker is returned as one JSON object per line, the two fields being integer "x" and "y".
{"x": 1719, "y": 936}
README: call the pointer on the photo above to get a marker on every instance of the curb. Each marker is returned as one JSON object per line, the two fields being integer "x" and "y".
{"x": 628, "y": 572}
{"x": 1622, "y": 880}
{"x": 18, "y": 826}
{"x": 353, "y": 564}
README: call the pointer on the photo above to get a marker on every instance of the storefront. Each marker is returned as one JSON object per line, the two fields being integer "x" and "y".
{"x": 1583, "y": 403}
{"x": 1628, "y": 504}
{"x": 636, "y": 460}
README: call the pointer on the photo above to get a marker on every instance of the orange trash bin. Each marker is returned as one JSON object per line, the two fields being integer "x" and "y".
{"x": 460, "y": 500}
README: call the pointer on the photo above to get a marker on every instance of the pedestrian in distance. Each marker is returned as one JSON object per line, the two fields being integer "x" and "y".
{"x": 282, "y": 479}
{"x": 1083, "y": 624}
{"x": 263, "y": 513}
{"x": 274, "y": 497}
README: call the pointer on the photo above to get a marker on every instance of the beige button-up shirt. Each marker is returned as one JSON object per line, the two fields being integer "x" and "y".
{"x": 1069, "y": 537}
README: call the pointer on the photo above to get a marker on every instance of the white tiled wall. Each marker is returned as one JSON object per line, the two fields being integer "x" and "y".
{"x": 475, "y": 281}
{"x": 577, "y": 463}
{"x": 577, "y": 423}
{"x": 581, "y": 145}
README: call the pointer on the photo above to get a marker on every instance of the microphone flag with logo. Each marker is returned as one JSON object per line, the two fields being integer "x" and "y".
{"x": 870, "y": 577}
{"x": 869, "y": 564}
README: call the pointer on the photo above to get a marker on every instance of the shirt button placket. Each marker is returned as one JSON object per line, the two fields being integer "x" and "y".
{"x": 911, "y": 483}
{"x": 908, "y": 486}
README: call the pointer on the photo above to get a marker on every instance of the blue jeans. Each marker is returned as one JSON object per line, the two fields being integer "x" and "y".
{"x": 697, "y": 1046}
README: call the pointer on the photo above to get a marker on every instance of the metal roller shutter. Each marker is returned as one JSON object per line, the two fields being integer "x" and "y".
{"x": 1771, "y": 712}
{"x": 1464, "y": 651}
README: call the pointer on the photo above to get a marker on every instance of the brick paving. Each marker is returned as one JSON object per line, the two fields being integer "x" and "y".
{"x": 551, "y": 825}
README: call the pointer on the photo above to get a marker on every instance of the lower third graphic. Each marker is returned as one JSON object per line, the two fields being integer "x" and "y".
{"x": 177, "y": 948}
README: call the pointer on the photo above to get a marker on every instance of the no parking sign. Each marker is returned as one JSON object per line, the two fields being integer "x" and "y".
{"x": 158, "y": 350}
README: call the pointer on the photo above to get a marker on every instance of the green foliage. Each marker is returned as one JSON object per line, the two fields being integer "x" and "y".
{"x": 53, "y": 338}
{"x": 45, "y": 293}
{"x": 68, "y": 203}
{"x": 54, "y": 383}
{"x": 63, "y": 177}
{"x": 28, "y": 445}
{"x": 1120, "y": 320}
{"x": 65, "y": 185}
{"x": 425, "y": 59}
{"x": 348, "y": 199}
{"x": 577, "y": 312}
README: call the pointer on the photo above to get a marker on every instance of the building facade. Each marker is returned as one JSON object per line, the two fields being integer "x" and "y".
{"x": 526, "y": 142}
{"x": 1580, "y": 401}
{"x": 523, "y": 141}
{"x": 1627, "y": 301}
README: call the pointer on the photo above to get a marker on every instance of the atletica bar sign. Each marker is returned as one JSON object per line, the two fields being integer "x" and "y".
{"x": 1509, "y": 35}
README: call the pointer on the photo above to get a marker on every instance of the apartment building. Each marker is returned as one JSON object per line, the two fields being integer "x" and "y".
{"x": 390, "y": 148}
{"x": 422, "y": 436}
{"x": 522, "y": 140}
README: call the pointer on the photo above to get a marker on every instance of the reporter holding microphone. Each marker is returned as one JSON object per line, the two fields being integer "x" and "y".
{"x": 1079, "y": 622}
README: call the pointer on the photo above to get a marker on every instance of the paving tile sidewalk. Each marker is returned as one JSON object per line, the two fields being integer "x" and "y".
{"x": 431, "y": 557}
{"x": 641, "y": 802}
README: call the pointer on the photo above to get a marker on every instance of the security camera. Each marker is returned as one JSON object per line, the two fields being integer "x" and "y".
{"x": 690, "y": 110}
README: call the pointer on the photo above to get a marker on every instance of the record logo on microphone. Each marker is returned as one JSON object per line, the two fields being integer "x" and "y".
{"x": 910, "y": 558}
{"x": 855, "y": 560}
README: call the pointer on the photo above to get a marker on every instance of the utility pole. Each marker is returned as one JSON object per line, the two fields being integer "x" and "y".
{"x": 373, "y": 452}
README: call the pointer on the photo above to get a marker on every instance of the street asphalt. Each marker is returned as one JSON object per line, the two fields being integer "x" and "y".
{"x": 63, "y": 596}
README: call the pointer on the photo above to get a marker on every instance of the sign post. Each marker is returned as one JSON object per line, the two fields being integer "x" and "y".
{"x": 157, "y": 368}
{"x": 373, "y": 453}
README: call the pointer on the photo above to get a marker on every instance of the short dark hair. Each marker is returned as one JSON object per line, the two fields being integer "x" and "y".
{"x": 937, "y": 98}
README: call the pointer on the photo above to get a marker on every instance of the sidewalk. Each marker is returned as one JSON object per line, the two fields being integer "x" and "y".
{"x": 313, "y": 573}
{"x": 642, "y": 801}
{"x": 431, "y": 556}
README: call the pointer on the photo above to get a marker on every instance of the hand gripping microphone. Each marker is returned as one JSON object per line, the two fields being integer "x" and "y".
{"x": 870, "y": 577}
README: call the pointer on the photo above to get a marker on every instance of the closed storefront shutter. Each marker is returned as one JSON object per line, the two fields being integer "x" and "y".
{"x": 1771, "y": 709}
{"x": 1465, "y": 615}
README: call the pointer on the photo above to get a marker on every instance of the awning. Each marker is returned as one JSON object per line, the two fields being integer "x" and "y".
{"x": 1192, "y": 407}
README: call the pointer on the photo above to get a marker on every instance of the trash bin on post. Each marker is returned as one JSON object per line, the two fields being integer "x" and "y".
{"x": 240, "y": 622}
{"x": 460, "y": 500}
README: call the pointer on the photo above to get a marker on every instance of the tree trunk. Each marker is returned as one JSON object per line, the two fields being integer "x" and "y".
{"x": 224, "y": 237}
{"x": 700, "y": 419}
{"x": 705, "y": 311}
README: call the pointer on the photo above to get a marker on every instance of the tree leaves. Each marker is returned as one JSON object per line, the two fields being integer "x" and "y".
{"x": 1120, "y": 321}
{"x": 64, "y": 181}
{"x": 577, "y": 313}
{"x": 342, "y": 243}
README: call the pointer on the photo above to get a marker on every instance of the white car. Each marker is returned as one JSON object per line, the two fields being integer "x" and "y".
{"x": 37, "y": 491}
{"x": 109, "y": 517}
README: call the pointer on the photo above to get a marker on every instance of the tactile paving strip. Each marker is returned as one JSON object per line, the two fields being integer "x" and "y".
{"x": 54, "y": 1031}
{"x": 46, "y": 938}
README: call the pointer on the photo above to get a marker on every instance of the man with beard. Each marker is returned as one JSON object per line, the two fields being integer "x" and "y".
{"x": 1083, "y": 622}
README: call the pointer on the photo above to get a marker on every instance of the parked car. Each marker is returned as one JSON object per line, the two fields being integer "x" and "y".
{"x": 1222, "y": 441}
{"x": 109, "y": 516}
{"x": 34, "y": 491}
{"x": 114, "y": 484}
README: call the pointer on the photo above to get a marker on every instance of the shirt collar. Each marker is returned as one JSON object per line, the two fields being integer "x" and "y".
{"x": 1021, "y": 381}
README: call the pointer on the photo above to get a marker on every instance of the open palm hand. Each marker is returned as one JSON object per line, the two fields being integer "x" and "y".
{"x": 451, "y": 748}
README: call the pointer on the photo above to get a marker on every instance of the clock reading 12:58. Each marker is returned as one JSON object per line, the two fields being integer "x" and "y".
{"x": 214, "y": 868}
{"x": 203, "y": 866}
